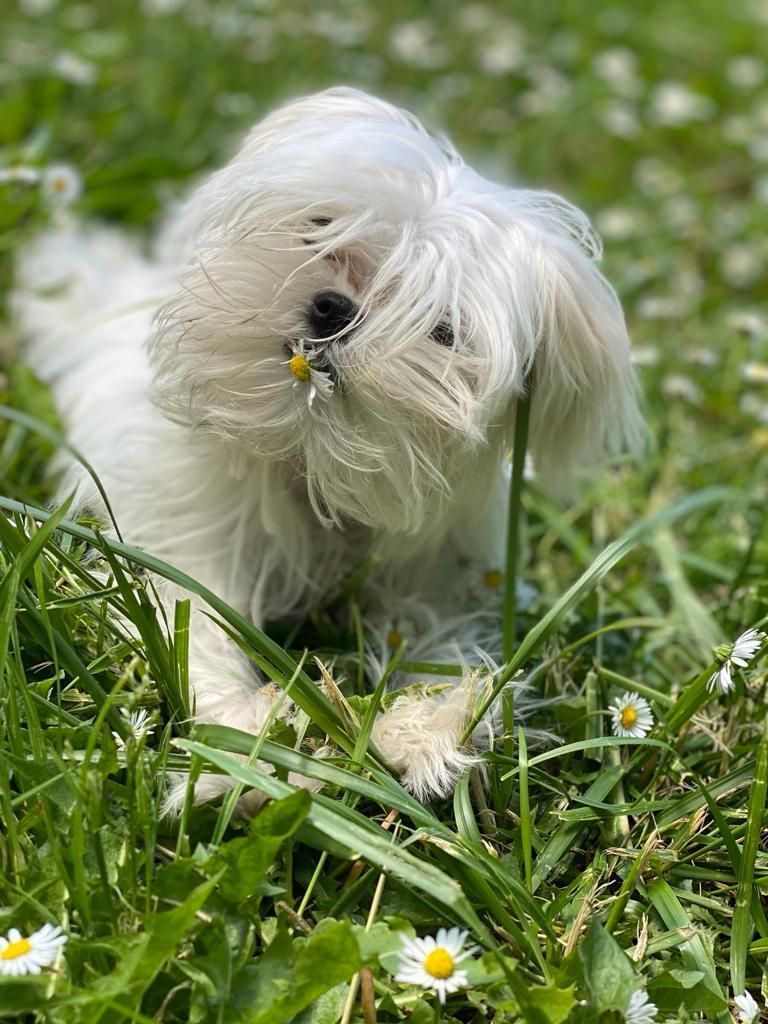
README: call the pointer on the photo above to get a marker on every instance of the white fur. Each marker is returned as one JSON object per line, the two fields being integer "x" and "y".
{"x": 171, "y": 375}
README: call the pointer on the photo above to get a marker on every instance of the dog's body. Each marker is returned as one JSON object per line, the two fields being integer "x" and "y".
{"x": 347, "y": 316}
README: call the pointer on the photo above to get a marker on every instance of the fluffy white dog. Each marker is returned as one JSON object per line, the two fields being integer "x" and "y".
{"x": 320, "y": 363}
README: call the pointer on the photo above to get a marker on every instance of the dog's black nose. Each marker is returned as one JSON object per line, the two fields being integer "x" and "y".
{"x": 330, "y": 313}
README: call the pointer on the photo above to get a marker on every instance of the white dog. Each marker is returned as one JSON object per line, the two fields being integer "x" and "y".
{"x": 321, "y": 362}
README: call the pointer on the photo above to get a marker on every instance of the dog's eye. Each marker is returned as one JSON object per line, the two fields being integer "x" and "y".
{"x": 443, "y": 334}
{"x": 318, "y": 222}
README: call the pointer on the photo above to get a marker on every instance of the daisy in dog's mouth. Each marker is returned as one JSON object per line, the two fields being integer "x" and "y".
{"x": 312, "y": 371}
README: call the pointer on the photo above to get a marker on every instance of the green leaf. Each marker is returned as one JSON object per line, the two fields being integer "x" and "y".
{"x": 245, "y": 862}
{"x": 541, "y": 1004}
{"x": 743, "y": 930}
{"x": 693, "y": 951}
{"x": 292, "y": 975}
{"x": 554, "y": 1002}
{"x": 140, "y": 957}
{"x": 608, "y": 971}
{"x": 672, "y": 989}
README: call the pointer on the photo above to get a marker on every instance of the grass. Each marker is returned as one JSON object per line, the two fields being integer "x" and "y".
{"x": 584, "y": 870}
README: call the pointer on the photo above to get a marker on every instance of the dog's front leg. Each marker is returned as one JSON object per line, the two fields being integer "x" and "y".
{"x": 451, "y": 614}
{"x": 225, "y": 689}
{"x": 423, "y": 733}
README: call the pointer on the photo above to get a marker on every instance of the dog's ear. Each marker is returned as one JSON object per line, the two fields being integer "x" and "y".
{"x": 584, "y": 400}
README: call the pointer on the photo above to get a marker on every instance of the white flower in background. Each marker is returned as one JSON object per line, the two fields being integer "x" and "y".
{"x": 318, "y": 383}
{"x": 504, "y": 52}
{"x": 645, "y": 355}
{"x": 62, "y": 184}
{"x": 138, "y": 725}
{"x": 35, "y": 8}
{"x": 745, "y": 72}
{"x": 700, "y": 356}
{"x": 758, "y": 146}
{"x": 740, "y": 654}
{"x": 161, "y": 7}
{"x": 550, "y": 88}
{"x": 20, "y": 955}
{"x": 432, "y": 961}
{"x": 19, "y": 175}
{"x": 747, "y": 1009}
{"x": 677, "y": 385}
{"x": 476, "y": 17}
{"x": 654, "y": 177}
{"x": 680, "y": 212}
{"x": 741, "y": 264}
{"x": 73, "y": 69}
{"x": 413, "y": 42}
{"x": 631, "y": 716}
{"x": 617, "y": 222}
{"x": 620, "y": 119}
{"x": 753, "y": 405}
{"x": 640, "y": 1010}
{"x": 753, "y": 325}
{"x": 660, "y": 307}
{"x": 755, "y": 373}
{"x": 618, "y": 68}
{"x": 673, "y": 104}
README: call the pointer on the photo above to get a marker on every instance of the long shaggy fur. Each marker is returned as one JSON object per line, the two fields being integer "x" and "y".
{"x": 171, "y": 375}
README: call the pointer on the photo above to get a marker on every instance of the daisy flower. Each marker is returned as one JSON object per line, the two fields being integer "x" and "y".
{"x": 640, "y": 1010}
{"x": 138, "y": 727}
{"x": 740, "y": 654}
{"x": 631, "y": 715}
{"x": 61, "y": 184}
{"x": 432, "y": 961}
{"x": 19, "y": 175}
{"x": 318, "y": 382}
{"x": 747, "y": 1009}
{"x": 19, "y": 955}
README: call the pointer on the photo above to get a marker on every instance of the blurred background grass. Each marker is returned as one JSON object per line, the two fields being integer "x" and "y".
{"x": 653, "y": 117}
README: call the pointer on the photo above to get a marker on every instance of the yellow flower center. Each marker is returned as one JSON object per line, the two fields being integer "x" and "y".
{"x": 439, "y": 963}
{"x": 628, "y": 717}
{"x": 493, "y": 579}
{"x": 394, "y": 639}
{"x": 299, "y": 367}
{"x": 16, "y": 949}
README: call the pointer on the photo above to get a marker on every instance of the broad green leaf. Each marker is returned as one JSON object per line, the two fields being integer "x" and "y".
{"x": 245, "y": 862}
{"x": 743, "y": 930}
{"x": 672, "y": 989}
{"x": 292, "y": 975}
{"x": 608, "y": 972}
{"x": 141, "y": 957}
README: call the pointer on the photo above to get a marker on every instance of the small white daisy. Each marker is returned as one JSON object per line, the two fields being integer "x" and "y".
{"x": 19, "y": 955}
{"x": 755, "y": 373}
{"x": 432, "y": 961}
{"x": 19, "y": 175}
{"x": 747, "y": 1009}
{"x": 62, "y": 184}
{"x": 740, "y": 653}
{"x": 640, "y": 1010}
{"x": 137, "y": 722}
{"x": 319, "y": 383}
{"x": 631, "y": 715}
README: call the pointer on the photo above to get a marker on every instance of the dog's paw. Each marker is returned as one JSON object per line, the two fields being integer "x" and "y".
{"x": 419, "y": 738}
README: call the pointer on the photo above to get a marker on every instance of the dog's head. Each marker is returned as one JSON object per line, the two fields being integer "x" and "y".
{"x": 361, "y": 303}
